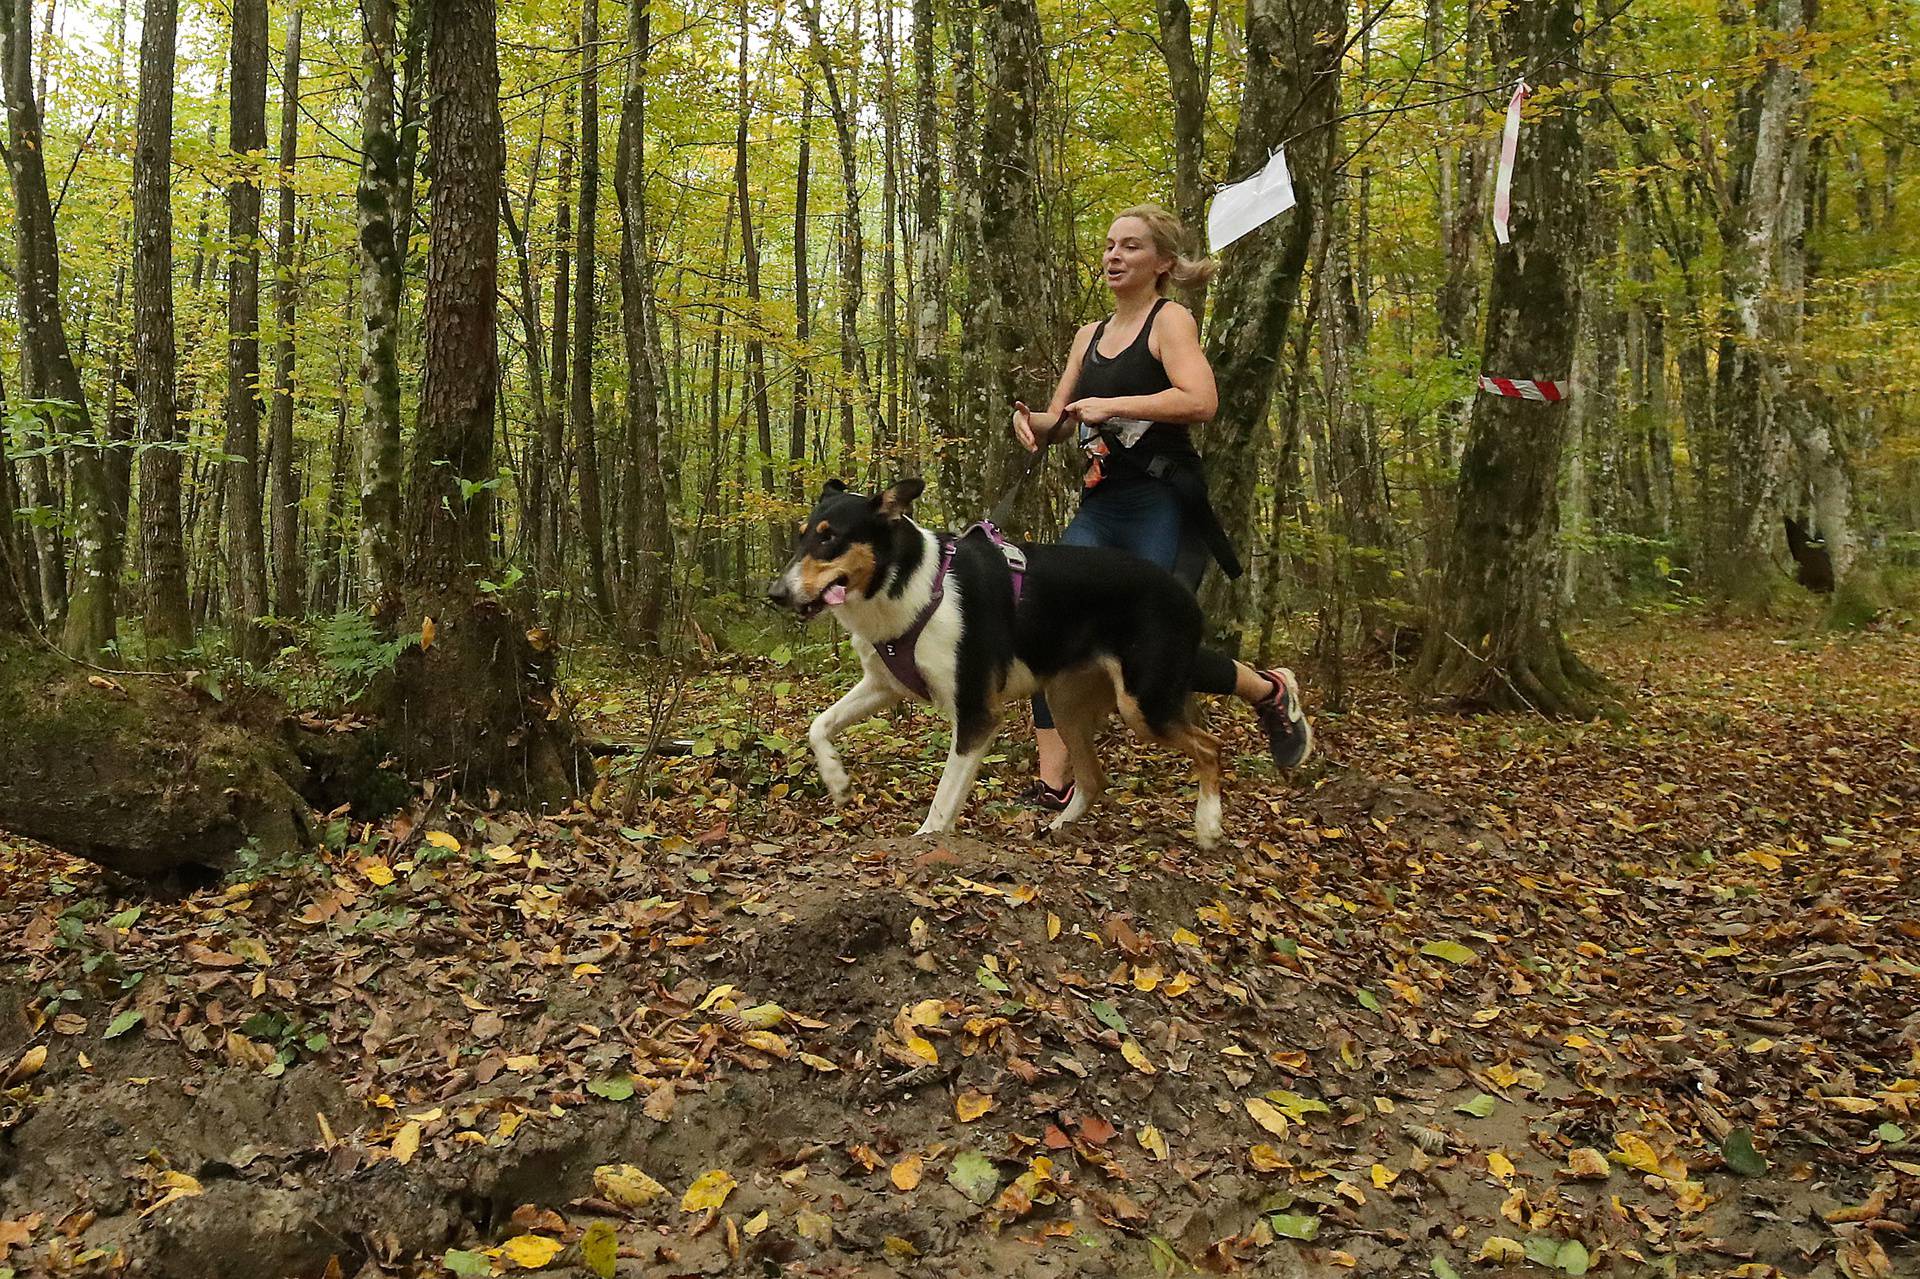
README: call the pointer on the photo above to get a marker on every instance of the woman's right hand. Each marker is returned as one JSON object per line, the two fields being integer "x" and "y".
{"x": 1023, "y": 426}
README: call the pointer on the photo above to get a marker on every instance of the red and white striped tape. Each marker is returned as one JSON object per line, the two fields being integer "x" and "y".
{"x": 1503, "y": 173}
{"x": 1519, "y": 388}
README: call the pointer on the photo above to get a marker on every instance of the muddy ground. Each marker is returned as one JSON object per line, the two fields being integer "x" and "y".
{"x": 1490, "y": 997}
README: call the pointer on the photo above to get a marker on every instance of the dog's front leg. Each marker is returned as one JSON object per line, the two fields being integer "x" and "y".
{"x": 870, "y": 696}
{"x": 969, "y": 747}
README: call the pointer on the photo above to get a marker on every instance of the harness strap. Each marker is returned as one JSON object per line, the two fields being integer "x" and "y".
{"x": 898, "y": 652}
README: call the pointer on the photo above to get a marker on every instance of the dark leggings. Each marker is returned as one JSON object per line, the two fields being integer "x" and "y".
{"x": 1144, "y": 517}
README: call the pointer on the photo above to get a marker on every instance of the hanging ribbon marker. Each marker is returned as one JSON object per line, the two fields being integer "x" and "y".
{"x": 1251, "y": 204}
{"x": 1503, "y": 177}
{"x": 1516, "y": 388}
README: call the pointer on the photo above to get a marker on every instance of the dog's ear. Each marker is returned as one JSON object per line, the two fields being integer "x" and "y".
{"x": 832, "y": 486}
{"x": 899, "y": 497}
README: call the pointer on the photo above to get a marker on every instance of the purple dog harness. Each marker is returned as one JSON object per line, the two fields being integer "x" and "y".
{"x": 898, "y": 652}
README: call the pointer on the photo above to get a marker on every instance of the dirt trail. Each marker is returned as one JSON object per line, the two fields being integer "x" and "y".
{"x": 1480, "y": 990}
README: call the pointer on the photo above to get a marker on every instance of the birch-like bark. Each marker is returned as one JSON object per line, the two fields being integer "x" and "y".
{"x": 585, "y": 308}
{"x": 750, "y": 255}
{"x": 382, "y": 262}
{"x": 289, "y": 565}
{"x": 246, "y": 143}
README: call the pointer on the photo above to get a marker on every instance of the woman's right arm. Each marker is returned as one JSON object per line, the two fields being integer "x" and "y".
{"x": 1037, "y": 430}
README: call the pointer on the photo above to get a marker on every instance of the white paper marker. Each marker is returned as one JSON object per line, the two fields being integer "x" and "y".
{"x": 1246, "y": 205}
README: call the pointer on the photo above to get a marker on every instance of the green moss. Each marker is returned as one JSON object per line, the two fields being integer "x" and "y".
{"x": 1857, "y": 601}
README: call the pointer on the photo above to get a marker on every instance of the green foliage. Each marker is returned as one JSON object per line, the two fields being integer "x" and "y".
{"x": 334, "y": 659}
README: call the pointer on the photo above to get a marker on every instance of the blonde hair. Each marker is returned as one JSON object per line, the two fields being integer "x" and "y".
{"x": 1169, "y": 239}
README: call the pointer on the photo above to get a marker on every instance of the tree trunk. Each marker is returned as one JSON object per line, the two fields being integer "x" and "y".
{"x": 247, "y": 141}
{"x": 50, "y": 373}
{"x": 1292, "y": 90}
{"x": 560, "y": 477}
{"x": 931, "y": 371}
{"x": 1189, "y": 93}
{"x": 802, "y": 305}
{"x": 382, "y": 262}
{"x": 756, "y": 350}
{"x": 962, "y": 477}
{"x": 157, "y": 415}
{"x": 650, "y": 535}
{"x": 1497, "y": 640}
{"x": 475, "y": 696}
{"x": 289, "y": 566}
{"x": 586, "y": 447}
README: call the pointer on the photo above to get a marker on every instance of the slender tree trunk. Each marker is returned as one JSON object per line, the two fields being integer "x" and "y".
{"x": 962, "y": 456}
{"x": 895, "y": 447}
{"x": 1497, "y": 640}
{"x": 50, "y": 373}
{"x": 650, "y": 535}
{"x": 802, "y": 305}
{"x": 157, "y": 413}
{"x": 559, "y": 480}
{"x": 382, "y": 263}
{"x": 327, "y": 595}
{"x": 1463, "y": 227}
{"x": 750, "y": 254}
{"x": 592, "y": 508}
{"x": 289, "y": 566}
{"x": 1189, "y": 92}
{"x": 1291, "y": 90}
{"x": 931, "y": 368}
{"x": 247, "y": 142}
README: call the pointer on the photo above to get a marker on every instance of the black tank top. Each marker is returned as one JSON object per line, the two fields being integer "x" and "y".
{"x": 1135, "y": 371}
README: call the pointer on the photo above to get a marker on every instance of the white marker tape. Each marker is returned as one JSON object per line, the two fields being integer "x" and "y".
{"x": 1503, "y": 177}
{"x": 1247, "y": 205}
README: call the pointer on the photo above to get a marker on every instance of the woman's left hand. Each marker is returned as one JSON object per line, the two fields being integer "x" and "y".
{"x": 1093, "y": 411}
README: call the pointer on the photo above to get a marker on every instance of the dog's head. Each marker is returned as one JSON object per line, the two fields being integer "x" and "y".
{"x": 844, "y": 547}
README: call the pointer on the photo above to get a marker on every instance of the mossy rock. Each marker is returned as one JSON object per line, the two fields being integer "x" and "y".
{"x": 139, "y": 773}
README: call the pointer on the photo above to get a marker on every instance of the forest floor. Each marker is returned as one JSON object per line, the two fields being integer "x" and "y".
{"x": 1471, "y": 996}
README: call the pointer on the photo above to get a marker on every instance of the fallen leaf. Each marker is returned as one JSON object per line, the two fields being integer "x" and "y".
{"x": 1267, "y": 1116}
{"x": 177, "y": 1185}
{"x": 708, "y": 1191}
{"x": 1501, "y": 1251}
{"x": 969, "y": 1106}
{"x": 626, "y": 1186}
{"x": 531, "y": 1252}
{"x": 1152, "y": 1142}
{"x": 1451, "y": 951}
{"x": 406, "y": 1143}
{"x": 1736, "y": 1148}
{"x": 28, "y": 1066}
{"x": 1584, "y": 1163}
{"x": 600, "y": 1249}
{"x": 1499, "y": 1165}
{"x": 974, "y": 1176}
{"x": 906, "y": 1174}
{"x": 1136, "y": 1056}
{"x": 1290, "y": 1225}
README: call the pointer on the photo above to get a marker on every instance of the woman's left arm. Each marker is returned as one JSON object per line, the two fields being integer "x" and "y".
{"x": 1191, "y": 399}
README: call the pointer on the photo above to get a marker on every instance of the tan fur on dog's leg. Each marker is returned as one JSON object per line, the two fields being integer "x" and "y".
{"x": 1081, "y": 702}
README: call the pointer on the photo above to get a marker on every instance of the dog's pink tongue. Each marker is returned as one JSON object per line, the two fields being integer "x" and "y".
{"x": 835, "y": 594}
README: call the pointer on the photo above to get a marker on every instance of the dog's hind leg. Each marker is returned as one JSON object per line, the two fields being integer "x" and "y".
{"x": 867, "y": 698}
{"x": 1081, "y": 702}
{"x": 956, "y": 782}
{"x": 1198, "y": 745}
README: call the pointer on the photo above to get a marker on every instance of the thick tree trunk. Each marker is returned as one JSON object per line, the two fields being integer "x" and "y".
{"x": 1496, "y": 641}
{"x": 1292, "y": 90}
{"x": 382, "y": 263}
{"x": 475, "y": 697}
{"x": 50, "y": 373}
{"x": 585, "y": 308}
{"x": 649, "y": 533}
{"x": 157, "y": 415}
{"x": 289, "y": 566}
{"x": 246, "y": 142}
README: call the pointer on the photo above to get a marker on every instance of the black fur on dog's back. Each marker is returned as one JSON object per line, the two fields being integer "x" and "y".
{"x": 1078, "y": 605}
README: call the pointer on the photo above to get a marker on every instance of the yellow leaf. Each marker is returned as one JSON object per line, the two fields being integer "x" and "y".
{"x": 600, "y": 1249}
{"x": 1637, "y": 1152}
{"x": 1504, "y": 1074}
{"x": 427, "y": 631}
{"x": 1383, "y": 1176}
{"x": 1053, "y": 926}
{"x": 822, "y": 1064}
{"x": 1588, "y": 1164}
{"x": 923, "y": 1049}
{"x": 1181, "y": 984}
{"x": 969, "y": 1106}
{"x": 1136, "y": 1056}
{"x": 709, "y": 1190}
{"x": 1267, "y": 1115}
{"x": 906, "y": 1174}
{"x": 441, "y": 839}
{"x": 1499, "y": 1165}
{"x": 767, "y": 1042}
{"x": 406, "y": 1143}
{"x": 1758, "y": 858}
{"x": 815, "y": 1226}
{"x": 1265, "y": 1158}
{"x": 531, "y": 1252}
{"x": 178, "y": 1185}
{"x": 29, "y": 1064}
{"x": 1760, "y": 1046}
{"x": 756, "y": 1224}
{"x": 626, "y": 1185}
{"x": 1185, "y": 937}
{"x": 927, "y": 1012}
{"x": 1152, "y": 1142}
{"x": 1501, "y": 1251}
{"x": 1145, "y": 979}
{"x": 377, "y": 871}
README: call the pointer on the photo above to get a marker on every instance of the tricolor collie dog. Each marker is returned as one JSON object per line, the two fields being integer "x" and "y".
{"x": 939, "y": 618}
